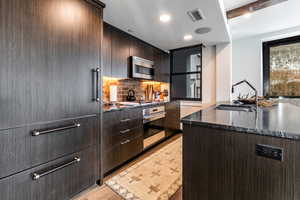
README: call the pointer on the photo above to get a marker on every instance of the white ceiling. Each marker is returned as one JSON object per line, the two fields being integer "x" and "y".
{"x": 232, "y": 4}
{"x": 142, "y": 16}
{"x": 278, "y": 17}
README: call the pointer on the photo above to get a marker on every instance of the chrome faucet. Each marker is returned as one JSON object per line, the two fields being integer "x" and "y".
{"x": 251, "y": 86}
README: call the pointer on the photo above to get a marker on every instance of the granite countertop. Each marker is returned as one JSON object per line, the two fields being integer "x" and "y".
{"x": 282, "y": 120}
{"x": 125, "y": 107}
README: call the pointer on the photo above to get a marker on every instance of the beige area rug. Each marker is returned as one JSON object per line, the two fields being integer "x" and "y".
{"x": 157, "y": 177}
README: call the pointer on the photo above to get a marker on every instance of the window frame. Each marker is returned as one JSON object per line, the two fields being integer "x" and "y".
{"x": 186, "y": 73}
{"x": 266, "y": 61}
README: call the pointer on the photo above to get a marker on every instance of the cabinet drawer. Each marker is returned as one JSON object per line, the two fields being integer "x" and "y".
{"x": 130, "y": 134}
{"x": 131, "y": 118}
{"x": 119, "y": 123}
{"x": 110, "y": 141}
{"x": 131, "y": 147}
{"x": 59, "y": 180}
{"x": 121, "y": 153}
{"x": 23, "y": 148}
{"x": 111, "y": 158}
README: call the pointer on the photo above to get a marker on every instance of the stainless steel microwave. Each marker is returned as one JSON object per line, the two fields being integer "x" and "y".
{"x": 142, "y": 68}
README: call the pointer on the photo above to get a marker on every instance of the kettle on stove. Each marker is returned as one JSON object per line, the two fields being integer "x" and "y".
{"x": 131, "y": 95}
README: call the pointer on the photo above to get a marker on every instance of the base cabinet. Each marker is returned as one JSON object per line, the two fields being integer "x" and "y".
{"x": 20, "y": 149}
{"x": 122, "y": 137}
{"x": 58, "y": 179}
{"x": 223, "y": 164}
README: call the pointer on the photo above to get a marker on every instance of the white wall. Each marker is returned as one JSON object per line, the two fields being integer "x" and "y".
{"x": 223, "y": 72}
{"x": 247, "y": 58}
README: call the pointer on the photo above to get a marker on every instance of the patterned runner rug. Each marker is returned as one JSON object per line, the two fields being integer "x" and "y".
{"x": 157, "y": 177}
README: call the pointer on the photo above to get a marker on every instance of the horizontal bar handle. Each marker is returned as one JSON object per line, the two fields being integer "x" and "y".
{"x": 42, "y": 132}
{"x": 125, "y": 131}
{"x": 44, "y": 172}
{"x": 125, "y": 142}
{"x": 125, "y": 120}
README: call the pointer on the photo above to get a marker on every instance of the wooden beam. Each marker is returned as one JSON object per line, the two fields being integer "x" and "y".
{"x": 252, "y": 7}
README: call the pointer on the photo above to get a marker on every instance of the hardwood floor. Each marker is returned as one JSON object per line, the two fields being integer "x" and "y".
{"x": 105, "y": 193}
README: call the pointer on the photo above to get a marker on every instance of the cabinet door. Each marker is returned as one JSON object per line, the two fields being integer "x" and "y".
{"x": 161, "y": 66}
{"x": 172, "y": 122}
{"x": 120, "y": 54}
{"x": 165, "y": 69}
{"x": 141, "y": 49}
{"x": 47, "y": 52}
{"x": 107, "y": 30}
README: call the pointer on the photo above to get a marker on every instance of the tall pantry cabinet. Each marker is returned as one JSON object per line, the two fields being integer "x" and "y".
{"x": 50, "y": 97}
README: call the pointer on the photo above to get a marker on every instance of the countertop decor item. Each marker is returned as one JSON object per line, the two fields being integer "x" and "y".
{"x": 113, "y": 93}
{"x": 261, "y": 101}
{"x": 131, "y": 95}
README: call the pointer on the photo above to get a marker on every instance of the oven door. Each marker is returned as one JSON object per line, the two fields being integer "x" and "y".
{"x": 154, "y": 125}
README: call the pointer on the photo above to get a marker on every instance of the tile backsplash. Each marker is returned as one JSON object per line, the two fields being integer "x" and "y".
{"x": 126, "y": 84}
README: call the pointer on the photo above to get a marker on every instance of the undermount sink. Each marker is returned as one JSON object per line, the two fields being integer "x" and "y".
{"x": 230, "y": 107}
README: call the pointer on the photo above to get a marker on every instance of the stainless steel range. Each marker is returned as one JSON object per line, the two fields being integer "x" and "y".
{"x": 154, "y": 125}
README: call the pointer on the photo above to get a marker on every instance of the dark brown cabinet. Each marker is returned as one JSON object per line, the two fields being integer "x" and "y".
{"x": 47, "y": 56}
{"x": 48, "y": 52}
{"x": 63, "y": 183}
{"x": 106, "y": 50}
{"x": 122, "y": 137}
{"x": 228, "y": 167}
{"x": 141, "y": 49}
{"x": 118, "y": 46}
{"x": 120, "y": 54}
{"x": 31, "y": 150}
{"x": 172, "y": 122}
{"x": 161, "y": 66}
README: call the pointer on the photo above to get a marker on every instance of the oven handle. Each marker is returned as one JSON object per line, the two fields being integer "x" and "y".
{"x": 153, "y": 118}
{"x": 163, "y": 114}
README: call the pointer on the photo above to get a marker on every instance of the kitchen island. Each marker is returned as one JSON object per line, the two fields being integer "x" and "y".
{"x": 238, "y": 155}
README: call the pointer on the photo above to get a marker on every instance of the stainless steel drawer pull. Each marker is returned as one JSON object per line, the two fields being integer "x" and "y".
{"x": 125, "y": 142}
{"x": 44, "y": 172}
{"x": 125, "y": 131}
{"x": 125, "y": 120}
{"x": 42, "y": 132}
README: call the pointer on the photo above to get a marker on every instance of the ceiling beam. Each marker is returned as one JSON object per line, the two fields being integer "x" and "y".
{"x": 252, "y": 7}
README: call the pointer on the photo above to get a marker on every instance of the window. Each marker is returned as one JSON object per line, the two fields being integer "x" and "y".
{"x": 281, "y": 67}
{"x": 186, "y": 73}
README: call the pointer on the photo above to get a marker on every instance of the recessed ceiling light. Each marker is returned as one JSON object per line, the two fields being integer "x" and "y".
{"x": 165, "y": 18}
{"x": 247, "y": 15}
{"x": 203, "y": 30}
{"x": 188, "y": 37}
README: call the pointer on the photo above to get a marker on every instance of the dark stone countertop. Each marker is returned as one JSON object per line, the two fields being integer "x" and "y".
{"x": 121, "y": 107}
{"x": 282, "y": 120}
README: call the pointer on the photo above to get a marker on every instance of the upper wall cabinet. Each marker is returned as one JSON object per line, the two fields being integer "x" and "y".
{"x": 141, "y": 49}
{"x": 120, "y": 54}
{"x": 46, "y": 60}
{"x": 118, "y": 46}
{"x": 161, "y": 66}
{"x": 106, "y": 50}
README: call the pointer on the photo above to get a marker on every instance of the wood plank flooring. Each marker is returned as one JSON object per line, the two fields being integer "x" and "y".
{"x": 105, "y": 193}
